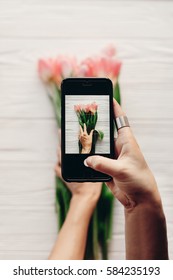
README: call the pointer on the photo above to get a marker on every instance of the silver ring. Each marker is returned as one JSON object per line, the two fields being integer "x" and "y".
{"x": 122, "y": 121}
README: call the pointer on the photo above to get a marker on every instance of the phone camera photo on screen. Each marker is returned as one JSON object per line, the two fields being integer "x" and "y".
{"x": 87, "y": 126}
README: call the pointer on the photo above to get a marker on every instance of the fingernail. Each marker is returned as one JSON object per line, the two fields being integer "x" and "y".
{"x": 87, "y": 162}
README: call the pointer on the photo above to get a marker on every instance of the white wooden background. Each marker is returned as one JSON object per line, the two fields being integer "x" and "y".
{"x": 143, "y": 33}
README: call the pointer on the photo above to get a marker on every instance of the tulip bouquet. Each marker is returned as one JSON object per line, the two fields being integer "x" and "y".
{"x": 52, "y": 72}
{"x": 87, "y": 114}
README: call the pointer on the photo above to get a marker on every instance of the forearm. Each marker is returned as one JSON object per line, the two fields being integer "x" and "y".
{"x": 145, "y": 229}
{"x": 71, "y": 240}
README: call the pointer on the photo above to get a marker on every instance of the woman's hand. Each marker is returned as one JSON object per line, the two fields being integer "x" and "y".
{"x": 133, "y": 184}
{"x": 89, "y": 192}
{"x": 133, "y": 181}
{"x": 86, "y": 140}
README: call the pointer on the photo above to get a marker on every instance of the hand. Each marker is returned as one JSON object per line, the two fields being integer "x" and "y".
{"x": 86, "y": 140}
{"x": 133, "y": 181}
{"x": 88, "y": 191}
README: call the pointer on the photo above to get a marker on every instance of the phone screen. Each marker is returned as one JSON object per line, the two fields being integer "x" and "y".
{"x": 87, "y": 124}
{"x": 86, "y": 128}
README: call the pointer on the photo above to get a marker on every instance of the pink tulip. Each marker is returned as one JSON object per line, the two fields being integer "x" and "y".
{"x": 77, "y": 108}
{"x": 93, "y": 107}
{"x": 109, "y": 68}
{"x": 116, "y": 67}
{"x": 68, "y": 66}
{"x": 87, "y": 68}
{"x": 45, "y": 69}
{"x": 100, "y": 66}
{"x": 57, "y": 69}
{"x": 87, "y": 108}
{"x": 109, "y": 50}
{"x": 105, "y": 65}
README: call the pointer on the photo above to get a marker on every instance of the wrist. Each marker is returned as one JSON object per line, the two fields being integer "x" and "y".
{"x": 145, "y": 227}
{"x": 149, "y": 200}
{"x": 86, "y": 150}
{"x": 80, "y": 211}
{"x": 146, "y": 193}
{"x": 88, "y": 200}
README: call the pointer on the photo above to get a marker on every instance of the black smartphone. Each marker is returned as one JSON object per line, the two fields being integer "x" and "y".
{"x": 87, "y": 126}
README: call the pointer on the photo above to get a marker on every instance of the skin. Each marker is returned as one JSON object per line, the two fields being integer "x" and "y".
{"x": 133, "y": 184}
{"x": 71, "y": 241}
{"x": 85, "y": 139}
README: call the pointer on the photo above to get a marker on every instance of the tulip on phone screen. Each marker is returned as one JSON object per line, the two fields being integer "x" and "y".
{"x": 88, "y": 135}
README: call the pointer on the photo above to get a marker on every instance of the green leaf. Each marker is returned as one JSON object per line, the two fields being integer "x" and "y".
{"x": 105, "y": 219}
{"x": 92, "y": 248}
{"x": 100, "y": 135}
{"x": 95, "y": 235}
{"x": 59, "y": 208}
{"x": 96, "y": 114}
{"x": 83, "y": 118}
{"x": 116, "y": 93}
{"x": 59, "y": 203}
{"x": 63, "y": 196}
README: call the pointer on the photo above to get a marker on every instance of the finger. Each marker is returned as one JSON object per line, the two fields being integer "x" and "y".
{"x": 58, "y": 171}
{"x": 59, "y": 155}
{"x": 58, "y": 148}
{"x": 103, "y": 164}
{"x": 91, "y": 132}
{"x": 117, "y": 109}
{"x": 59, "y": 136}
{"x": 117, "y": 113}
{"x": 81, "y": 130}
{"x": 85, "y": 128}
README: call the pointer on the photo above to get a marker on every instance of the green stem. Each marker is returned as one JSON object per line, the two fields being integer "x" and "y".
{"x": 116, "y": 92}
{"x": 95, "y": 235}
{"x": 63, "y": 196}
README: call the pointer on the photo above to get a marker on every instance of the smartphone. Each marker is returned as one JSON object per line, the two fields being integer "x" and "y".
{"x": 87, "y": 126}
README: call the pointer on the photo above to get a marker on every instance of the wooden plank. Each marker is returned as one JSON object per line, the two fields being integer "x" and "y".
{"x": 26, "y": 178}
{"x": 27, "y": 220}
{"x": 22, "y": 140}
{"x": 23, "y": 255}
{"x": 135, "y": 19}
{"x": 21, "y": 52}
{"x": 36, "y": 140}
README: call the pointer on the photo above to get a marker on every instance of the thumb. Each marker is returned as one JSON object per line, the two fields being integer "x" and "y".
{"x": 91, "y": 132}
{"x": 103, "y": 164}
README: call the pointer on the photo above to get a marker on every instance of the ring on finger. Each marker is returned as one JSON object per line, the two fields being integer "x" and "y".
{"x": 122, "y": 121}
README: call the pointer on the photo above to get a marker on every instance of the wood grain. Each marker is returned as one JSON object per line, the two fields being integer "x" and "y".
{"x": 142, "y": 32}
